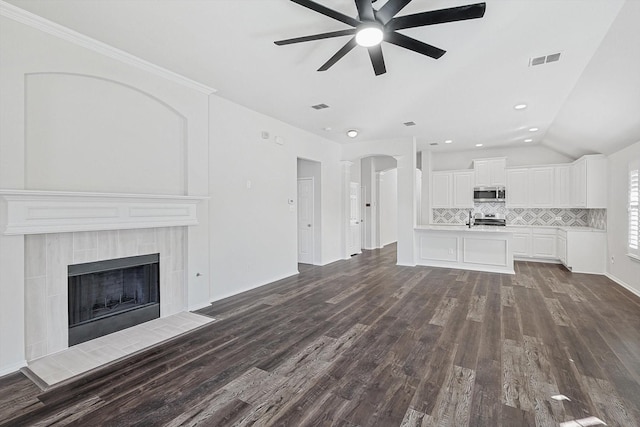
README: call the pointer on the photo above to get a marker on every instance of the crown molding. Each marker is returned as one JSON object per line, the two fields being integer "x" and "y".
{"x": 20, "y": 15}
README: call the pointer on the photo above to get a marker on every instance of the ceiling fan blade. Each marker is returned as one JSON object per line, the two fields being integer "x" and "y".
{"x": 441, "y": 16}
{"x": 365, "y": 10}
{"x": 309, "y": 4}
{"x": 349, "y": 32}
{"x": 339, "y": 54}
{"x": 377, "y": 60}
{"x": 414, "y": 45}
{"x": 390, "y": 9}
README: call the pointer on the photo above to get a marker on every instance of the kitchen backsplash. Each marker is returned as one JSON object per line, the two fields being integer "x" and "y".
{"x": 597, "y": 218}
{"x": 534, "y": 216}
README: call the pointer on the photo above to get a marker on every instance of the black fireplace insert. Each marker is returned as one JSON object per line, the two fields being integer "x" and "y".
{"x": 111, "y": 295}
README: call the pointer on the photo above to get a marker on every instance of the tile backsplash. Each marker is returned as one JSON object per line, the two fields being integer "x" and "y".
{"x": 596, "y": 218}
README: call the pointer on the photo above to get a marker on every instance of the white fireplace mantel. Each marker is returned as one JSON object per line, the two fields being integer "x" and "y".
{"x": 41, "y": 212}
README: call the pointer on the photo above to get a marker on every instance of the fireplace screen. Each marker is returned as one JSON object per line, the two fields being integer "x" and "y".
{"x": 107, "y": 296}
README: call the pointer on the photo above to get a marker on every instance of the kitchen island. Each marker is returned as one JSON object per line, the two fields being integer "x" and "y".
{"x": 480, "y": 248}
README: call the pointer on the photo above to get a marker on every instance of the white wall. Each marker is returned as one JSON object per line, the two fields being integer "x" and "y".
{"x": 254, "y": 233}
{"x": 388, "y": 201}
{"x": 516, "y": 156}
{"x": 623, "y": 269}
{"x": 311, "y": 169}
{"x": 45, "y": 81}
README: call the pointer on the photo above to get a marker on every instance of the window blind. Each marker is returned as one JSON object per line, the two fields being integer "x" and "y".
{"x": 634, "y": 209}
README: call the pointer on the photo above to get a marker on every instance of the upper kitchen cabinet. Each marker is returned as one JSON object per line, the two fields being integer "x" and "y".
{"x": 490, "y": 172}
{"x": 441, "y": 187}
{"x": 562, "y": 187}
{"x": 589, "y": 182}
{"x": 452, "y": 189}
{"x": 518, "y": 188}
{"x": 541, "y": 181}
{"x": 463, "y": 189}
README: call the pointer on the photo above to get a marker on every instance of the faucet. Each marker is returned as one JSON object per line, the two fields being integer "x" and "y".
{"x": 470, "y": 213}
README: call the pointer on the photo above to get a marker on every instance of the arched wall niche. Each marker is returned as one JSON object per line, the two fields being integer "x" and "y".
{"x": 88, "y": 133}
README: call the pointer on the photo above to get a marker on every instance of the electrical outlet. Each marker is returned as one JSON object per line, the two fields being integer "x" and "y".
{"x": 451, "y": 252}
{"x": 613, "y": 259}
{"x": 558, "y": 218}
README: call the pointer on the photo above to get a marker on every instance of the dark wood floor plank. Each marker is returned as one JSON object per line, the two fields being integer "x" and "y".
{"x": 364, "y": 342}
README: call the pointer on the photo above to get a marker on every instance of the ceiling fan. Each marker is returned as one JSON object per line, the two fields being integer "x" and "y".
{"x": 371, "y": 27}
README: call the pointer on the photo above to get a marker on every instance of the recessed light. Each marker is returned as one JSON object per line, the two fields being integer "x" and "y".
{"x": 478, "y": 145}
{"x": 533, "y": 129}
{"x": 352, "y": 133}
{"x": 448, "y": 141}
{"x": 520, "y": 106}
{"x": 528, "y": 140}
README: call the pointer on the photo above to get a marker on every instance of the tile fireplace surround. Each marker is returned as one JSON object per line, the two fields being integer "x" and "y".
{"x": 62, "y": 228}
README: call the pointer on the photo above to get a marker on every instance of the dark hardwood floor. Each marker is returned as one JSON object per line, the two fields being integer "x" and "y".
{"x": 367, "y": 343}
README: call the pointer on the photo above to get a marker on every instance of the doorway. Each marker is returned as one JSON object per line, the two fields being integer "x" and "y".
{"x": 309, "y": 219}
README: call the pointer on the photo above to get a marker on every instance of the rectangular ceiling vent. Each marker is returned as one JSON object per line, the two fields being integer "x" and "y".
{"x": 319, "y": 106}
{"x": 409, "y": 123}
{"x": 539, "y": 60}
{"x": 433, "y": 143}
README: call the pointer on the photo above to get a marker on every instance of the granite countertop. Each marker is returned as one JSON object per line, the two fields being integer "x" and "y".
{"x": 507, "y": 229}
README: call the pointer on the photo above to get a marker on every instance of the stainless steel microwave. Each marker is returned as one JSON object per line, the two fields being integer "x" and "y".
{"x": 489, "y": 194}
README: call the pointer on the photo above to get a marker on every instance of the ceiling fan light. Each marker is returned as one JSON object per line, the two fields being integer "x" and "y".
{"x": 369, "y": 35}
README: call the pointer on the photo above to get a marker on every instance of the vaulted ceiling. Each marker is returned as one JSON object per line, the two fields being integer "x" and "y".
{"x": 588, "y": 101}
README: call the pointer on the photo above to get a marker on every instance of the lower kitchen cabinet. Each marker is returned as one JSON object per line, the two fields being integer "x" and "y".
{"x": 543, "y": 243}
{"x": 582, "y": 250}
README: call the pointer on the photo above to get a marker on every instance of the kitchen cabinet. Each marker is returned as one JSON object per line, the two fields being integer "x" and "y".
{"x": 517, "y": 188}
{"x": 452, "y": 189}
{"x": 541, "y": 183}
{"x": 589, "y": 182}
{"x": 562, "y": 246}
{"x": 463, "y": 189}
{"x": 543, "y": 243}
{"x": 582, "y": 250}
{"x": 521, "y": 242}
{"x": 441, "y": 189}
{"x": 562, "y": 192}
{"x": 490, "y": 172}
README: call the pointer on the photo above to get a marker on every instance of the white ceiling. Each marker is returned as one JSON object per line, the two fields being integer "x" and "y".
{"x": 589, "y": 101}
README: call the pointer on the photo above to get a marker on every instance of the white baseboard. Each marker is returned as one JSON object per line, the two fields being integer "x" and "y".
{"x": 331, "y": 261}
{"x": 10, "y": 369}
{"x": 275, "y": 279}
{"x": 199, "y": 305}
{"x": 623, "y": 284}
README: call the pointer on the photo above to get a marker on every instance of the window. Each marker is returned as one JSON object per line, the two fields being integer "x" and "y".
{"x": 634, "y": 209}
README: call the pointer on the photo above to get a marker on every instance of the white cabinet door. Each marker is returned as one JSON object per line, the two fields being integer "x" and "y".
{"x": 579, "y": 184}
{"x": 562, "y": 249}
{"x": 441, "y": 189}
{"x": 541, "y": 187}
{"x": 543, "y": 245}
{"x": 490, "y": 172}
{"x": 521, "y": 242}
{"x": 517, "y": 188}
{"x": 463, "y": 189}
{"x": 482, "y": 173}
{"x": 498, "y": 171}
{"x": 562, "y": 187}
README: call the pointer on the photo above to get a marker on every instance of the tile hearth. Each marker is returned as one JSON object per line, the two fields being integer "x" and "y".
{"x": 82, "y": 358}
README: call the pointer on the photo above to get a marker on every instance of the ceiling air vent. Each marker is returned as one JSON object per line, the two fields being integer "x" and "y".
{"x": 319, "y": 106}
{"x": 539, "y": 60}
{"x": 409, "y": 123}
{"x": 433, "y": 143}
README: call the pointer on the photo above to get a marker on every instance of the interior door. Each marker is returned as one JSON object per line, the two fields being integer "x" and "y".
{"x": 354, "y": 219}
{"x": 305, "y": 220}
